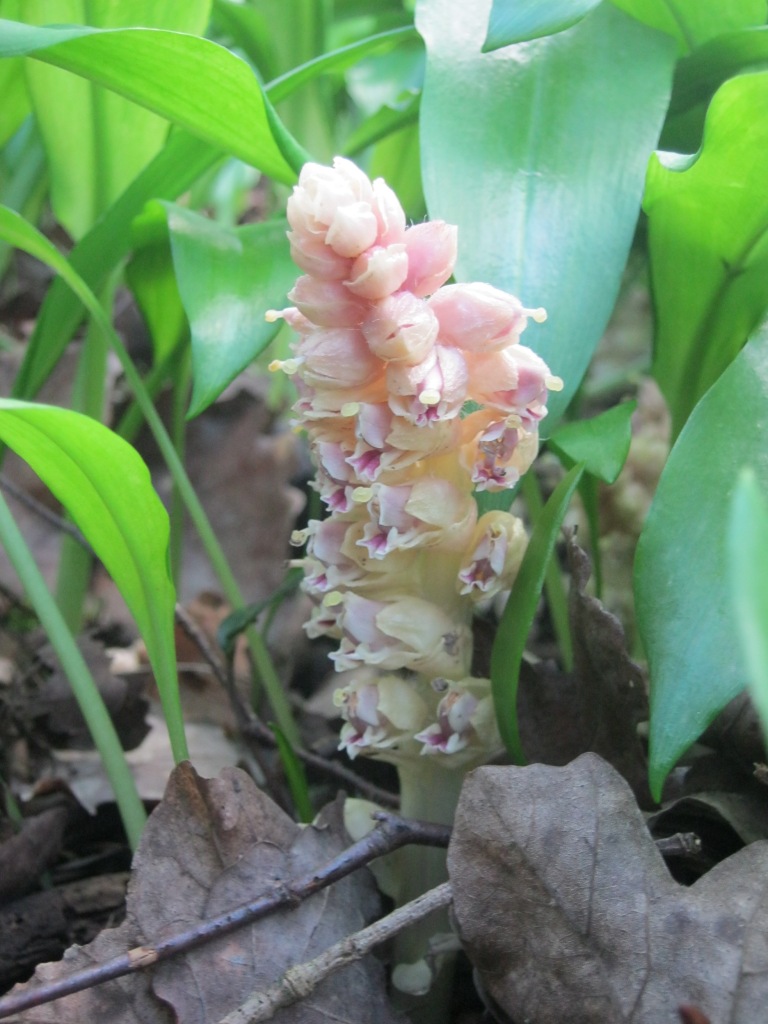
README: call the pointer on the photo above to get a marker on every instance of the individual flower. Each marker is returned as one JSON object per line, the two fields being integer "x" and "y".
{"x": 380, "y": 713}
{"x": 494, "y": 554}
{"x": 465, "y": 721}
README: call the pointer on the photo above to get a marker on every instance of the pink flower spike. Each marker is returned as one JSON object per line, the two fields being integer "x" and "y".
{"x": 431, "y": 249}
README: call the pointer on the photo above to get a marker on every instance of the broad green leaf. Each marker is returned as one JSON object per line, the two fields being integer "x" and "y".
{"x": 601, "y": 443}
{"x": 694, "y": 22}
{"x": 699, "y": 75}
{"x": 518, "y": 21}
{"x": 538, "y": 153}
{"x": 708, "y": 232}
{"x": 105, "y": 487}
{"x": 685, "y": 615}
{"x": 150, "y": 276}
{"x": 110, "y": 495}
{"x": 228, "y": 278}
{"x": 520, "y": 609}
{"x": 188, "y": 80}
{"x": 94, "y": 258}
{"x": 748, "y": 570}
{"x": 97, "y": 141}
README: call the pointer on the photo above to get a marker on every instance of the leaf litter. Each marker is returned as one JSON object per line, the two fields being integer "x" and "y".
{"x": 210, "y": 846}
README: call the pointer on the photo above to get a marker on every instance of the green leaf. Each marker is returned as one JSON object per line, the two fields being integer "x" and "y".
{"x": 684, "y": 612}
{"x": 96, "y": 255}
{"x": 238, "y": 621}
{"x": 748, "y": 571}
{"x": 188, "y": 80}
{"x": 694, "y": 22}
{"x": 150, "y": 276}
{"x": 708, "y": 232}
{"x": 295, "y": 775}
{"x": 106, "y": 488}
{"x": 699, "y": 75}
{"x": 538, "y": 153}
{"x": 97, "y": 141}
{"x": 518, "y": 21}
{"x": 515, "y": 624}
{"x": 228, "y": 278}
{"x": 601, "y": 443}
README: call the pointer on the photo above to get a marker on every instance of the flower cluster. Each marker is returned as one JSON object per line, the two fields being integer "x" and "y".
{"x": 413, "y": 394}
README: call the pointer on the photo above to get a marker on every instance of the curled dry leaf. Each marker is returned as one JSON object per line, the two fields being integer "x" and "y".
{"x": 599, "y": 705}
{"x": 211, "y": 845}
{"x": 568, "y": 912}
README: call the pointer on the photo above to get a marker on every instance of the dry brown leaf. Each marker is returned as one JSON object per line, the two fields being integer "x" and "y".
{"x": 211, "y": 845}
{"x": 568, "y": 912}
{"x": 598, "y": 706}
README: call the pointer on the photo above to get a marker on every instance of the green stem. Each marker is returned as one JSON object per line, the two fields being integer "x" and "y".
{"x": 83, "y": 686}
{"x": 180, "y": 397}
{"x": 428, "y": 792}
{"x": 557, "y": 598}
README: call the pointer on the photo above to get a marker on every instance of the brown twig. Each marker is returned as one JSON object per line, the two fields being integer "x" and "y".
{"x": 253, "y": 728}
{"x": 301, "y": 980}
{"x": 681, "y": 844}
{"x": 391, "y": 833}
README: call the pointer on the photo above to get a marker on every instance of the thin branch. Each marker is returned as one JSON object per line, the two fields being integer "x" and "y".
{"x": 391, "y": 833}
{"x": 300, "y": 981}
{"x": 681, "y": 844}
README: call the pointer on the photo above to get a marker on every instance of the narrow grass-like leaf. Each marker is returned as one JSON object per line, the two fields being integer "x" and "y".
{"x": 238, "y": 621}
{"x": 708, "y": 231}
{"x": 520, "y": 609}
{"x": 105, "y": 486}
{"x": 684, "y": 610}
{"x": 192, "y": 82}
{"x": 601, "y": 443}
{"x": 295, "y": 776}
{"x": 538, "y": 152}
{"x": 518, "y": 21}
{"x": 84, "y": 688}
{"x": 228, "y": 278}
{"x": 748, "y": 572}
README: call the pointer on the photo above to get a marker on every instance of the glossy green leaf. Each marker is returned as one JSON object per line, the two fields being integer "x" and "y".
{"x": 699, "y": 75}
{"x": 228, "y": 278}
{"x": 188, "y": 80}
{"x": 538, "y": 153}
{"x": 748, "y": 570}
{"x": 106, "y": 488}
{"x": 94, "y": 258}
{"x": 97, "y": 141}
{"x": 151, "y": 277}
{"x": 518, "y": 21}
{"x": 601, "y": 443}
{"x": 684, "y": 612}
{"x": 694, "y": 22}
{"x": 708, "y": 233}
{"x": 520, "y": 609}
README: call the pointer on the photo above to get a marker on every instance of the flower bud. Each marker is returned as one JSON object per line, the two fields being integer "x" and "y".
{"x": 478, "y": 317}
{"x": 338, "y": 358}
{"x": 401, "y": 327}
{"x": 378, "y": 272}
{"x": 431, "y": 249}
{"x": 327, "y": 303}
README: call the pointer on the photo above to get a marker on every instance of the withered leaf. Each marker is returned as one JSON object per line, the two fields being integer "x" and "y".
{"x": 211, "y": 845}
{"x": 568, "y": 911}
{"x": 599, "y": 705}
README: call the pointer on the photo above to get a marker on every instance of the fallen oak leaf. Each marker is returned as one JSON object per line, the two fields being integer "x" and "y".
{"x": 567, "y": 911}
{"x": 208, "y": 846}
